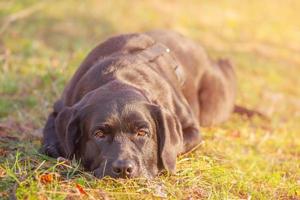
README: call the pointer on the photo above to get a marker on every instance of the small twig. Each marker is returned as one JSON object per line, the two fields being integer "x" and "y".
{"x": 64, "y": 193}
{"x": 20, "y": 15}
{"x": 249, "y": 113}
{"x": 40, "y": 165}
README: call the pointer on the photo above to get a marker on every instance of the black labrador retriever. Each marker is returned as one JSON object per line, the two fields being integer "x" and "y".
{"x": 136, "y": 103}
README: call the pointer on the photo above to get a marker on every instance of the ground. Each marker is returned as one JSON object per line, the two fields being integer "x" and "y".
{"x": 42, "y": 43}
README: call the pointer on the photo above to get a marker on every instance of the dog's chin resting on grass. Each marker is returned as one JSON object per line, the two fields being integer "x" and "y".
{"x": 136, "y": 102}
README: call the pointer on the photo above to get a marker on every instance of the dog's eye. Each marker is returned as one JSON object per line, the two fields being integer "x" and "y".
{"x": 142, "y": 132}
{"x": 99, "y": 134}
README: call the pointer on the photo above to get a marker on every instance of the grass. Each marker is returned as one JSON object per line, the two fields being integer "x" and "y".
{"x": 42, "y": 43}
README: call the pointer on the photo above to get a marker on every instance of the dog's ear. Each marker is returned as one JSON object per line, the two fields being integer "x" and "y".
{"x": 68, "y": 130}
{"x": 169, "y": 136}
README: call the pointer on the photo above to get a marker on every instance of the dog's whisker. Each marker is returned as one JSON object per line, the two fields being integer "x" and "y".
{"x": 104, "y": 168}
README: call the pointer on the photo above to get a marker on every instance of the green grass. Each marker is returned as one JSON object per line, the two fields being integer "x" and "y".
{"x": 240, "y": 159}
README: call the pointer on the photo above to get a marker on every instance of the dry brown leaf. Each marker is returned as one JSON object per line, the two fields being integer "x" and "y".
{"x": 46, "y": 178}
{"x": 197, "y": 193}
{"x": 236, "y": 134}
{"x": 3, "y": 152}
{"x": 80, "y": 189}
{"x": 2, "y": 172}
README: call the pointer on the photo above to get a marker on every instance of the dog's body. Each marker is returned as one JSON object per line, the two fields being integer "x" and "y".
{"x": 166, "y": 79}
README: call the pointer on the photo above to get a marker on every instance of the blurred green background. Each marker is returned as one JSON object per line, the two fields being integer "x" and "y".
{"x": 43, "y": 42}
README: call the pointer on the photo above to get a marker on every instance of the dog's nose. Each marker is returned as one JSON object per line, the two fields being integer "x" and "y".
{"x": 123, "y": 168}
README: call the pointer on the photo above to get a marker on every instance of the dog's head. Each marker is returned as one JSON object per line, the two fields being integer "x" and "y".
{"x": 120, "y": 134}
